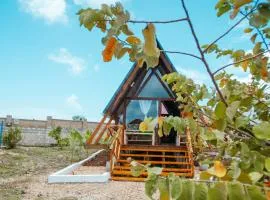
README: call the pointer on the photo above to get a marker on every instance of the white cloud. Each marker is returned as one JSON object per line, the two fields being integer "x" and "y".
{"x": 196, "y": 76}
{"x": 76, "y": 65}
{"x": 52, "y": 11}
{"x": 94, "y": 3}
{"x": 73, "y": 101}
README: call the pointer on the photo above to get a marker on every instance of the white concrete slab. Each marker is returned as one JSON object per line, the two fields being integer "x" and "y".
{"x": 65, "y": 175}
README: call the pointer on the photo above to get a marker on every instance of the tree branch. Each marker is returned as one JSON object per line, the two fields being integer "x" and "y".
{"x": 240, "y": 61}
{"x": 202, "y": 54}
{"x": 229, "y": 30}
{"x": 183, "y": 53}
{"x": 258, "y": 31}
{"x": 165, "y": 51}
{"x": 150, "y": 21}
{"x": 157, "y": 21}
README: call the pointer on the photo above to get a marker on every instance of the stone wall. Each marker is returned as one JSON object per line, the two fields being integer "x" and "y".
{"x": 35, "y": 132}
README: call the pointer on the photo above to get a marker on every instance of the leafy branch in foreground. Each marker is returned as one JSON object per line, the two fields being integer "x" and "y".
{"x": 232, "y": 119}
{"x": 173, "y": 187}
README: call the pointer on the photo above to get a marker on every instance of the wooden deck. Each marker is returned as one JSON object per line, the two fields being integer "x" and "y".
{"x": 171, "y": 158}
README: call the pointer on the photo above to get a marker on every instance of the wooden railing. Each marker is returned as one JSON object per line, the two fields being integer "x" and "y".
{"x": 116, "y": 132}
{"x": 190, "y": 149}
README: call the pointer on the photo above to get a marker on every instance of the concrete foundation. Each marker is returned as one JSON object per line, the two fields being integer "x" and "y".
{"x": 65, "y": 175}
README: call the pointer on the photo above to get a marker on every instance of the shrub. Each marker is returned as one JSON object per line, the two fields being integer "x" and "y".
{"x": 12, "y": 137}
{"x": 56, "y": 134}
{"x": 87, "y": 135}
{"x": 76, "y": 143}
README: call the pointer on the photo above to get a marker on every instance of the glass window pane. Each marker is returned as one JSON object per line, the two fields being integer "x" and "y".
{"x": 137, "y": 110}
{"x": 154, "y": 88}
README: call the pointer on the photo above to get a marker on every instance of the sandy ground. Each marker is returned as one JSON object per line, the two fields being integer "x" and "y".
{"x": 39, "y": 188}
{"x": 24, "y": 173}
{"x": 89, "y": 170}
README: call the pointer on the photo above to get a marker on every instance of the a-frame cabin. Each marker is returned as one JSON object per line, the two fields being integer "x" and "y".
{"x": 143, "y": 94}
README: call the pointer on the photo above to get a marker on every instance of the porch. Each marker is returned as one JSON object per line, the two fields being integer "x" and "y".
{"x": 176, "y": 158}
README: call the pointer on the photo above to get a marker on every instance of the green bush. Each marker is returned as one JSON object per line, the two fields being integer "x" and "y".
{"x": 87, "y": 135}
{"x": 56, "y": 134}
{"x": 76, "y": 142}
{"x": 12, "y": 137}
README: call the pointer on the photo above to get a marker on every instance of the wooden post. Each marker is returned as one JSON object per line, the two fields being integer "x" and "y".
{"x": 102, "y": 131}
{"x": 89, "y": 141}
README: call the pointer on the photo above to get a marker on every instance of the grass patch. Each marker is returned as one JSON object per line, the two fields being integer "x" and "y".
{"x": 18, "y": 166}
{"x": 33, "y": 160}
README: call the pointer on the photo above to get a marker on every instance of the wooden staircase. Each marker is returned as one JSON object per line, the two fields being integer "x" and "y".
{"x": 169, "y": 158}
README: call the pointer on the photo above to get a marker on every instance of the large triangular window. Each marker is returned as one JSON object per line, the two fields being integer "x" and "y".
{"x": 152, "y": 87}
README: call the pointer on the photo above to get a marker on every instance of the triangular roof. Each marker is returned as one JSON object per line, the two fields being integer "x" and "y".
{"x": 133, "y": 78}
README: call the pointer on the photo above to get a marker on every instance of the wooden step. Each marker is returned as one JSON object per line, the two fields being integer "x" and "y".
{"x": 136, "y": 179}
{"x": 123, "y": 168}
{"x": 154, "y": 149}
{"x": 120, "y": 172}
{"x": 157, "y": 162}
{"x": 151, "y": 155}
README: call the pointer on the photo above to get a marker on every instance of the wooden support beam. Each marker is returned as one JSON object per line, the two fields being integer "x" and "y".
{"x": 90, "y": 139}
{"x": 95, "y": 141}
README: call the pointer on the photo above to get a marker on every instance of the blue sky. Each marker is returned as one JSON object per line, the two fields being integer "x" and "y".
{"x": 49, "y": 65}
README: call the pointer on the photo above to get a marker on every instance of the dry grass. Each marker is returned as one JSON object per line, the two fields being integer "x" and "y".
{"x": 19, "y": 166}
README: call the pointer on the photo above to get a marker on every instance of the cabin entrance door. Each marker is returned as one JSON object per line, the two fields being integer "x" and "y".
{"x": 167, "y": 108}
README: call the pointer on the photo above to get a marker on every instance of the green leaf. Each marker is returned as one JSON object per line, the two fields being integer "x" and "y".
{"x": 255, "y": 176}
{"x": 257, "y": 48}
{"x": 253, "y": 37}
{"x": 241, "y": 121}
{"x": 248, "y": 30}
{"x": 255, "y": 193}
{"x": 236, "y": 191}
{"x": 257, "y": 20}
{"x": 220, "y": 110}
{"x": 267, "y": 164}
{"x": 154, "y": 170}
{"x": 218, "y": 191}
{"x": 234, "y": 171}
{"x": 224, "y": 9}
{"x": 136, "y": 169}
{"x": 264, "y": 10}
{"x": 175, "y": 186}
{"x": 187, "y": 190}
{"x": 151, "y": 185}
{"x": 219, "y": 134}
{"x": 125, "y": 29}
{"x": 259, "y": 162}
{"x": 244, "y": 178}
{"x": 244, "y": 149}
{"x": 151, "y": 61}
{"x": 106, "y": 9}
{"x": 163, "y": 186}
{"x": 208, "y": 134}
{"x": 221, "y": 124}
{"x": 205, "y": 175}
{"x": 201, "y": 191}
{"x": 262, "y": 131}
{"x": 232, "y": 109}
